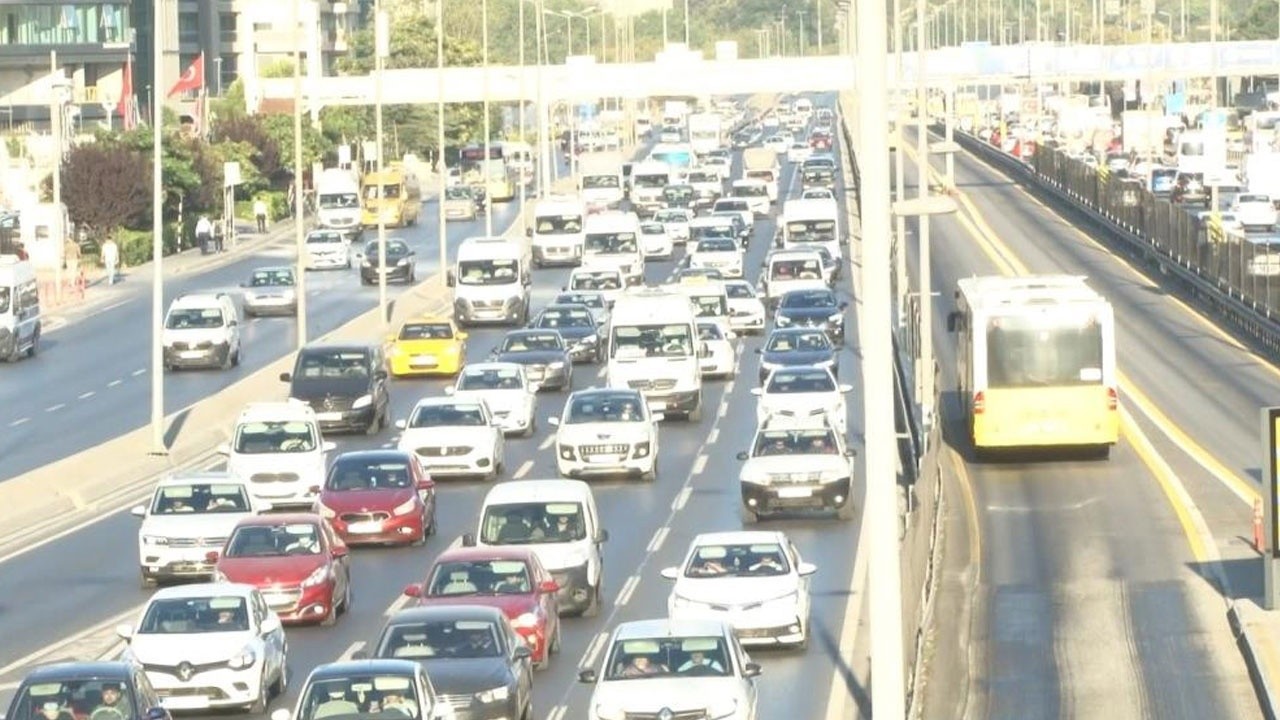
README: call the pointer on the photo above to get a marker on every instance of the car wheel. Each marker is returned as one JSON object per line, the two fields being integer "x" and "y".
{"x": 553, "y": 645}
{"x": 652, "y": 474}
{"x": 259, "y": 706}
{"x": 227, "y": 359}
{"x": 593, "y": 606}
{"x": 147, "y": 582}
{"x": 531, "y": 429}
{"x": 375, "y": 424}
{"x": 749, "y": 516}
{"x": 695, "y": 415}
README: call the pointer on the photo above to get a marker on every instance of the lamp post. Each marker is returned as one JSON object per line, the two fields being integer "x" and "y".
{"x": 817, "y": 5}
{"x": 545, "y": 161}
{"x": 523, "y": 105}
{"x": 381, "y": 49}
{"x": 300, "y": 241}
{"x": 442, "y": 228}
{"x": 800, "y": 39}
{"x": 487, "y": 130}
{"x": 686, "y": 23}
{"x": 157, "y": 235}
{"x": 217, "y": 65}
{"x": 59, "y": 96}
{"x": 922, "y": 225}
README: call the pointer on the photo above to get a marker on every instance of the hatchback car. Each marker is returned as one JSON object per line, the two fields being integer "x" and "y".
{"x": 655, "y": 243}
{"x": 427, "y": 346}
{"x": 506, "y": 390}
{"x": 721, "y": 254}
{"x": 401, "y": 263}
{"x": 1255, "y": 212}
{"x": 379, "y": 497}
{"x": 543, "y": 353}
{"x": 115, "y": 690}
{"x": 578, "y": 326}
{"x": 679, "y": 197}
{"x": 363, "y": 688}
{"x": 676, "y": 221}
{"x": 270, "y": 291}
{"x": 346, "y": 385}
{"x": 798, "y": 152}
{"x": 792, "y": 347}
{"x": 746, "y": 310}
{"x": 454, "y": 437}
{"x": 716, "y": 357}
{"x": 461, "y": 202}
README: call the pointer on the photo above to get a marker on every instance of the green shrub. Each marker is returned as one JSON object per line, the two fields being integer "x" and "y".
{"x": 135, "y": 245}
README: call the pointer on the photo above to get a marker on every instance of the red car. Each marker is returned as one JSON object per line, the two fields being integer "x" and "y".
{"x": 379, "y": 497}
{"x": 296, "y": 560}
{"x": 510, "y": 579}
{"x": 820, "y": 141}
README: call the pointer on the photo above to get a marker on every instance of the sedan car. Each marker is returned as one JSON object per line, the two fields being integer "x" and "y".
{"x": 792, "y": 347}
{"x": 655, "y": 243}
{"x": 506, "y": 391}
{"x": 461, "y": 202}
{"x": 510, "y": 579}
{"x": 543, "y": 354}
{"x": 474, "y": 657}
{"x": 209, "y": 645}
{"x": 593, "y": 300}
{"x": 716, "y": 357}
{"x": 812, "y": 308}
{"x": 778, "y": 143}
{"x": 113, "y": 690}
{"x": 270, "y": 291}
{"x": 361, "y": 688}
{"x": 746, "y": 310}
{"x": 796, "y": 463}
{"x": 606, "y": 432}
{"x": 296, "y": 560}
{"x": 798, "y": 152}
{"x": 803, "y": 392}
{"x": 578, "y": 326}
{"x": 1255, "y": 212}
{"x": 401, "y": 263}
{"x": 681, "y": 197}
{"x": 454, "y": 437}
{"x": 327, "y": 250}
{"x": 755, "y": 581}
{"x": 379, "y": 497}
{"x": 427, "y": 346}
{"x": 676, "y": 221}
{"x": 817, "y": 193}
{"x": 721, "y": 254}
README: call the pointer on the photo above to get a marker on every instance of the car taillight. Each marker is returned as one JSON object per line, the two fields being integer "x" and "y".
{"x": 979, "y": 403}
{"x": 1113, "y": 399}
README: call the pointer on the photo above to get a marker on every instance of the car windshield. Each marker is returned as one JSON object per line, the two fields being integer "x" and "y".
{"x": 425, "y": 331}
{"x": 805, "y": 299}
{"x": 388, "y": 191}
{"x": 270, "y": 278}
{"x": 445, "y": 639}
{"x": 557, "y": 224}
{"x": 732, "y": 206}
{"x": 716, "y": 245}
{"x": 670, "y": 217}
{"x": 703, "y": 177}
{"x": 804, "y": 341}
{"x": 531, "y": 342}
{"x": 653, "y": 228}
{"x": 817, "y": 441}
{"x": 710, "y": 331}
{"x": 260, "y": 438}
{"x": 591, "y": 300}
{"x": 565, "y": 317}
{"x": 357, "y": 473}
{"x": 610, "y": 243}
{"x": 4, "y": 300}
{"x": 188, "y": 615}
{"x": 92, "y": 698}
{"x": 194, "y": 318}
{"x": 710, "y": 306}
{"x": 324, "y": 238}
{"x": 488, "y": 272}
{"x": 596, "y": 280}
{"x": 739, "y": 290}
{"x": 360, "y": 696}
{"x": 317, "y": 364}
{"x": 749, "y": 191}
{"x": 802, "y": 231}
{"x": 677, "y": 193}
{"x": 278, "y": 540}
{"x": 799, "y": 269}
{"x": 599, "y": 182}
{"x": 605, "y": 407}
{"x": 737, "y": 560}
{"x": 458, "y": 192}
{"x": 817, "y": 194}
{"x": 722, "y": 231}
{"x": 800, "y": 381}
{"x": 646, "y": 341}
{"x": 490, "y": 378}
{"x": 448, "y": 415}
{"x": 1253, "y": 199}
{"x": 665, "y": 657}
{"x": 479, "y": 577}
{"x": 198, "y": 498}
{"x": 532, "y": 523}
{"x": 395, "y": 248}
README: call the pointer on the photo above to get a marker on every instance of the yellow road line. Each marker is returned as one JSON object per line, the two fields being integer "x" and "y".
{"x": 1173, "y": 489}
{"x": 971, "y": 509}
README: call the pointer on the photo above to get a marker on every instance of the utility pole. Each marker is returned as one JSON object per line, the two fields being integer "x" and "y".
{"x": 381, "y": 49}
{"x": 299, "y": 213}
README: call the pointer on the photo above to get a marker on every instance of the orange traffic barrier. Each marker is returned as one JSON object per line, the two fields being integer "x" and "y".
{"x": 1258, "y": 541}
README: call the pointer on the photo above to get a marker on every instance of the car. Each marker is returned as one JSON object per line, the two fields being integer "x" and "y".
{"x": 676, "y": 221}
{"x": 746, "y": 310}
{"x": 427, "y": 345}
{"x": 707, "y": 183}
{"x": 327, "y": 250}
{"x": 812, "y": 308}
{"x": 689, "y": 273}
{"x": 716, "y": 357}
{"x": 608, "y": 281}
{"x": 682, "y": 197}
{"x": 606, "y": 432}
{"x": 474, "y": 657}
{"x": 401, "y": 263}
{"x": 737, "y": 220}
{"x": 461, "y": 202}
{"x": 721, "y": 254}
{"x": 505, "y": 389}
{"x": 727, "y": 226}
{"x": 578, "y": 326}
{"x": 654, "y": 242}
{"x": 296, "y": 560}
{"x": 754, "y": 580}
{"x": 354, "y": 688}
{"x": 279, "y": 449}
{"x": 201, "y": 330}
{"x": 543, "y": 353}
{"x": 792, "y": 347}
{"x": 817, "y": 193}
{"x": 821, "y": 140}
{"x": 673, "y": 668}
{"x": 803, "y": 392}
{"x": 721, "y": 166}
{"x": 1228, "y": 220}
{"x": 745, "y": 208}
{"x": 510, "y": 579}
{"x": 103, "y": 690}
{"x": 379, "y": 497}
{"x": 345, "y": 383}
{"x": 1190, "y": 188}
{"x": 270, "y": 291}
{"x": 189, "y": 515}
{"x": 454, "y": 437}
{"x": 1255, "y": 212}
{"x": 778, "y": 143}
{"x": 209, "y": 645}
{"x": 797, "y": 152}
{"x": 796, "y": 463}
{"x": 594, "y": 301}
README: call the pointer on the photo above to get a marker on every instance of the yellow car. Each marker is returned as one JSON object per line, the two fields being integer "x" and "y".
{"x": 427, "y": 346}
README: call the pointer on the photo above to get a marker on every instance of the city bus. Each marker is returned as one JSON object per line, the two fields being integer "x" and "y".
{"x": 493, "y": 174}
{"x": 1036, "y": 363}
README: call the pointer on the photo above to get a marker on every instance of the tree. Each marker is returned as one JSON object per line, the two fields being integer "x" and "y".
{"x": 106, "y": 187}
{"x": 252, "y": 130}
{"x": 279, "y": 128}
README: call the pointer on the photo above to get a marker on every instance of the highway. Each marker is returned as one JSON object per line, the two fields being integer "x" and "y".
{"x": 650, "y": 525}
{"x": 1092, "y": 596}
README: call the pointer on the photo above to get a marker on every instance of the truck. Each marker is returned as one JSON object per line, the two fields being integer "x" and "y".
{"x": 706, "y": 132}
{"x": 761, "y": 163}
{"x": 338, "y": 202}
{"x": 1143, "y": 132}
{"x": 600, "y": 180}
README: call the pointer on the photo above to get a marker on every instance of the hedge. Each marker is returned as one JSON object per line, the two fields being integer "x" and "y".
{"x": 135, "y": 245}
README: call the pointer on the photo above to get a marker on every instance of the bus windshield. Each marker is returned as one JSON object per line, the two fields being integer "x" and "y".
{"x": 802, "y": 231}
{"x": 647, "y": 341}
{"x": 1033, "y": 352}
{"x": 610, "y": 243}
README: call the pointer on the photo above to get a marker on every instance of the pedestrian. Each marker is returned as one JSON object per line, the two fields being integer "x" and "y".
{"x": 204, "y": 234}
{"x": 110, "y": 259}
{"x": 260, "y": 213}
{"x": 21, "y": 250}
{"x": 71, "y": 256}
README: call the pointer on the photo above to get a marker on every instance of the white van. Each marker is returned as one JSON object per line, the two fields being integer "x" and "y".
{"x": 812, "y": 222}
{"x": 558, "y": 521}
{"x": 490, "y": 281}
{"x": 612, "y": 239}
{"x": 653, "y": 348}
{"x": 787, "y": 270}
{"x": 19, "y": 309}
{"x": 755, "y": 192}
{"x": 556, "y": 232}
{"x": 201, "y": 330}
{"x": 279, "y": 449}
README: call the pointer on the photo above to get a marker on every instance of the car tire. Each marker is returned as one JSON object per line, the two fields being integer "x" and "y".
{"x": 652, "y": 474}
{"x": 227, "y": 359}
{"x": 553, "y": 645}
{"x": 593, "y": 606}
{"x": 147, "y": 582}
{"x": 531, "y": 429}
{"x": 375, "y": 424}
{"x": 347, "y": 594}
{"x": 695, "y": 415}
{"x": 35, "y": 344}
{"x": 423, "y": 534}
{"x": 259, "y": 706}
{"x": 749, "y": 516}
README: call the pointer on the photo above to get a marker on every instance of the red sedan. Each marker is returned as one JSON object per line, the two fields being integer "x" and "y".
{"x": 510, "y": 579}
{"x": 379, "y": 497}
{"x": 296, "y": 560}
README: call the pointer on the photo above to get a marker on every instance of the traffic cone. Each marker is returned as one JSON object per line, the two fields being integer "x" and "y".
{"x": 1257, "y": 526}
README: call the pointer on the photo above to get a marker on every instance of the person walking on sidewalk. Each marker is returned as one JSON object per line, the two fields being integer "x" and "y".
{"x": 110, "y": 259}
{"x": 71, "y": 256}
{"x": 260, "y": 213}
{"x": 204, "y": 235}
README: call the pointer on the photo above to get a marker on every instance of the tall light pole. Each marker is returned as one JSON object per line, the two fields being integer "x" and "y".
{"x": 545, "y": 160}
{"x": 381, "y": 49}
{"x": 818, "y": 17}
{"x": 157, "y": 233}
{"x": 924, "y": 297}
{"x": 442, "y": 227}
{"x": 800, "y": 39}
{"x": 524, "y": 106}
{"x": 664, "y": 27}
{"x": 899, "y": 168}
{"x": 299, "y": 237}
{"x": 488, "y": 131}
{"x": 59, "y": 86}
{"x": 686, "y": 23}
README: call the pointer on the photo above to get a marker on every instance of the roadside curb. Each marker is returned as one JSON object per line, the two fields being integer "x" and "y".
{"x": 1238, "y": 616}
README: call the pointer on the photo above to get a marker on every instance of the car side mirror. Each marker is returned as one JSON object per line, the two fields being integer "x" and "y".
{"x": 844, "y": 305}
{"x": 270, "y": 624}
{"x": 461, "y": 336}
{"x": 602, "y": 536}
{"x": 339, "y": 551}
{"x": 521, "y": 652}
{"x": 281, "y": 714}
{"x": 671, "y": 573}
{"x": 286, "y": 377}
{"x": 158, "y": 713}
{"x": 379, "y": 374}
{"x": 139, "y": 511}
{"x": 743, "y": 455}
{"x": 759, "y": 351}
{"x": 806, "y": 569}
{"x": 704, "y": 350}
{"x": 548, "y": 586}
{"x": 328, "y": 446}
{"x": 468, "y": 540}
{"x": 586, "y": 676}
{"x": 757, "y": 391}
{"x": 413, "y": 591}
{"x": 528, "y": 232}
{"x": 553, "y": 421}
{"x": 211, "y": 557}
{"x": 124, "y": 632}
{"x": 953, "y": 321}
{"x": 224, "y": 448}
{"x": 402, "y": 424}
{"x": 449, "y": 279}
{"x": 751, "y": 670}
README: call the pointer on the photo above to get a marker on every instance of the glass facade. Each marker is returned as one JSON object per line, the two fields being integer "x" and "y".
{"x": 68, "y": 24}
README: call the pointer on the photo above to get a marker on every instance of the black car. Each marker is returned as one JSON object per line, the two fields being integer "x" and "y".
{"x": 473, "y": 656}
{"x": 116, "y": 690}
{"x": 363, "y": 688}
{"x": 812, "y": 308}
{"x": 681, "y": 197}
{"x": 346, "y": 384}
{"x": 578, "y": 326}
{"x": 797, "y": 347}
{"x": 543, "y": 353}
{"x": 817, "y": 176}
{"x": 594, "y": 300}
{"x": 401, "y": 263}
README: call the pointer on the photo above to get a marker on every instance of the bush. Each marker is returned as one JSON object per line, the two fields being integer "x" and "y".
{"x": 135, "y": 245}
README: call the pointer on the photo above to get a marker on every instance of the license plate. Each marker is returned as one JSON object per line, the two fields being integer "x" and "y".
{"x": 795, "y": 492}
{"x": 329, "y": 416}
{"x": 278, "y": 600}
{"x": 425, "y": 360}
{"x": 365, "y": 528}
{"x": 191, "y": 354}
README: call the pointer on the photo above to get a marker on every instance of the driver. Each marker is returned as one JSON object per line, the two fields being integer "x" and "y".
{"x": 697, "y": 660}
{"x": 395, "y": 701}
{"x": 110, "y": 708}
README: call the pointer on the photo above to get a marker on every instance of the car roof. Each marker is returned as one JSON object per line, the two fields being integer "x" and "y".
{"x": 669, "y": 627}
{"x": 428, "y": 319}
{"x": 120, "y": 670}
{"x": 199, "y": 300}
{"x": 347, "y": 668}
{"x": 280, "y": 519}
{"x": 375, "y": 454}
{"x": 491, "y": 552}
{"x": 537, "y": 490}
{"x": 205, "y": 589}
{"x": 338, "y": 346}
{"x": 460, "y": 611}
{"x": 277, "y": 410}
{"x": 474, "y": 368}
{"x": 603, "y": 392}
{"x": 203, "y": 476}
{"x": 745, "y": 537}
{"x": 272, "y": 268}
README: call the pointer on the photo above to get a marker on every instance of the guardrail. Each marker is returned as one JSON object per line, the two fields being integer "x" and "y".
{"x": 1235, "y": 279}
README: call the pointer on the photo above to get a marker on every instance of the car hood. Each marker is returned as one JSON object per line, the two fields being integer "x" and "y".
{"x": 498, "y": 400}
{"x": 574, "y": 333}
{"x": 195, "y": 335}
{"x": 532, "y": 357}
{"x": 735, "y": 591}
{"x": 513, "y": 606}
{"x": 264, "y": 571}
{"x": 466, "y": 435}
{"x": 309, "y": 390}
{"x": 195, "y": 648}
{"x": 796, "y": 357}
{"x": 192, "y": 525}
{"x": 591, "y": 433}
{"x": 300, "y": 463}
{"x": 745, "y": 304}
{"x": 809, "y": 313}
{"x": 653, "y": 694}
{"x": 798, "y": 464}
{"x": 365, "y": 500}
{"x": 466, "y": 676}
{"x": 392, "y": 258}
{"x": 799, "y": 403}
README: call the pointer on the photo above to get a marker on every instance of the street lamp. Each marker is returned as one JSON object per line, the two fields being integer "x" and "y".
{"x": 585, "y": 17}
{"x": 442, "y": 228}
{"x": 568, "y": 29}
{"x": 381, "y": 50}
{"x": 300, "y": 241}
{"x": 488, "y": 132}
{"x": 800, "y": 39}
{"x": 217, "y": 64}
{"x": 157, "y": 233}
{"x": 59, "y": 98}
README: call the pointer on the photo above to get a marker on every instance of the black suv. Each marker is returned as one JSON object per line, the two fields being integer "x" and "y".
{"x": 346, "y": 384}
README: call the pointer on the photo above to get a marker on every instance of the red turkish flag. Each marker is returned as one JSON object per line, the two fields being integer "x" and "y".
{"x": 192, "y": 79}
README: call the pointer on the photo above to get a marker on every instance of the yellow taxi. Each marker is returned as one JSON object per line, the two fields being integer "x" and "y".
{"x": 427, "y": 346}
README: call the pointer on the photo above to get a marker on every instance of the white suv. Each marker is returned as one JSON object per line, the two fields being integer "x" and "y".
{"x": 201, "y": 330}
{"x": 801, "y": 392}
{"x": 796, "y": 463}
{"x": 189, "y": 516}
{"x": 278, "y": 448}
{"x": 454, "y": 437}
{"x": 606, "y": 432}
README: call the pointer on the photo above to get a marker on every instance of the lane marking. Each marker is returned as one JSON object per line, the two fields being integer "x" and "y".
{"x": 628, "y": 589}
{"x": 659, "y": 538}
{"x": 681, "y": 499}
{"x": 86, "y": 395}
{"x": 548, "y": 442}
{"x": 397, "y": 605}
{"x": 713, "y": 436}
{"x": 114, "y": 383}
{"x": 557, "y": 712}
{"x": 728, "y": 387}
{"x": 138, "y": 372}
{"x": 523, "y": 469}
{"x": 20, "y": 421}
{"x": 351, "y": 650}
{"x": 699, "y": 464}
{"x": 55, "y": 408}
{"x": 723, "y": 411}
{"x": 593, "y": 650}
{"x": 58, "y": 649}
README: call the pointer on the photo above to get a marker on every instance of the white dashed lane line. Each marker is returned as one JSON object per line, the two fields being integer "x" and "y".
{"x": 20, "y": 421}
{"x": 87, "y": 395}
{"x": 114, "y": 383}
{"x": 681, "y": 499}
{"x": 138, "y": 372}
{"x": 713, "y": 436}
{"x": 55, "y": 408}
{"x": 593, "y": 650}
{"x": 628, "y": 589}
{"x": 523, "y": 469}
{"x": 699, "y": 464}
{"x": 546, "y": 443}
{"x": 659, "y": 538}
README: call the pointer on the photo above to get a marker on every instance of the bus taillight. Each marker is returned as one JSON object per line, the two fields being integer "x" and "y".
{"x": 979, "y": 403}
{"x": 1113, "y": 399}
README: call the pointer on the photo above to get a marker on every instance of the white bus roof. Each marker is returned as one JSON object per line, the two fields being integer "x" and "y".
{"x": 993, "y": 292}
{"x": 612, "y": 222}
{"x": 560, "y": 206}
{"x": 805, "y": 208}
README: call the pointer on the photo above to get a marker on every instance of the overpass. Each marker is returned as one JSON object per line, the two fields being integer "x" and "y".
{"x": 692, "y": 76}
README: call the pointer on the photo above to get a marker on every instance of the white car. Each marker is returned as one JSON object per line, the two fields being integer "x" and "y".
{"x": 778, "y": 143}
{"x": 802, "y": 392}
{"x": 1230, "y": 222}
{"x": 743, "y": 207}
{"x": 608, "y": 281}
{"x": 796, "y": 463}
{"x": 209, "y": 645}
{"x": 655, "y": 243}
{"x": 607, "y": 432}
{"x": 327, "y": 249}
{"x": 817, "y": 193}
{"x": 756, "y": 195}
{"x": 453, "y": 437}
{"x": 753, "y": 580}
{"x": 189, "y": 516}
{"x": 1255, "y": 212}
{"x": 716, "y": 357}
{"x": 505, "y": 388}
{"x": 746, "y": 310}
{"x": 201, "y": 330}
{"x": 720, "y": 254}
{"x": 270, "y": 291}
{"x": 707, "y": 184}
{"x": 676, "y": 220}
{"x": 279, "y": 449}
{"x": 798, "y": 152}
{"x": 674, "y": 669}
{"x": 722, "y": 166}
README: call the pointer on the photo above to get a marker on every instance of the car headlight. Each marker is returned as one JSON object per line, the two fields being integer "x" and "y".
{"x": 494, "y": 695}
{"x": 782, "y": 321}
{"x": 317, "y": 577}
{"x": 367, "y": 263}
{"x": 243, "y": 659}
{"x": 609, "y": 712}
{"x": 642, "y": 450}
{"x": 403, "y": 262}
{"x": 526, "y": 620}
{"x": 566, "y": 452}
{"x": 154, "y": 540}
{"x": 755, "y": 477}
{"x": 405, "y": 507}
{"x": 838, "y": 317}
{"x": 362, "y": 402}
{"x": 557, "y": 365}
{"x": 724, "y": 708}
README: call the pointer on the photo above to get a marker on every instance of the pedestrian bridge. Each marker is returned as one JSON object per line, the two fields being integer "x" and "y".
{"x": 689, "y": 75}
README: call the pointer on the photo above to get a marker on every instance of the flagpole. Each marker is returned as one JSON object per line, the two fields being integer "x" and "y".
{"x": 157, "y": 237}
